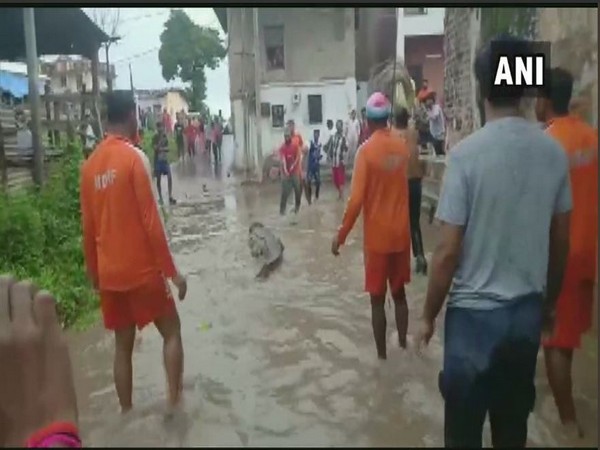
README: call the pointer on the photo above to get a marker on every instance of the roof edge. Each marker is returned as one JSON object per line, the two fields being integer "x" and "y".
{"x": 221, "y": 14}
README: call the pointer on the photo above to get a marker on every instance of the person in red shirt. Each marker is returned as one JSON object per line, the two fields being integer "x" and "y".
{"x": 290, "y": 157}
{"x": 299, "y": 142}
{"x": 201, "y": 139}
{"x": 217, "y": 139}
{"x": 574, "y": 307}
{"x": 127, "y": 255}
{"x": 167, "y": 122}
{"x": 380, "y": 190}
{"x": 191, "y": 134}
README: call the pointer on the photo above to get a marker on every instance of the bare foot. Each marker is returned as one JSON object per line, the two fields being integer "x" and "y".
{"x": 174, "y": 408}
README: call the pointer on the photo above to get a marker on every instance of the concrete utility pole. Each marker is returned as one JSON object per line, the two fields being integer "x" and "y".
{"x": 33, "y": 76}
{"x": 257, "y": 76}
{"x": 244, "y": 89}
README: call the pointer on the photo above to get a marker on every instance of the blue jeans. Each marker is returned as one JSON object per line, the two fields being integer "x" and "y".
{"x": 489, "y": 367}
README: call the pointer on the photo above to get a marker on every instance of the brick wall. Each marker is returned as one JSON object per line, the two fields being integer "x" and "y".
{"x": 461, "y": 33}
{"x": 573, "y": 33}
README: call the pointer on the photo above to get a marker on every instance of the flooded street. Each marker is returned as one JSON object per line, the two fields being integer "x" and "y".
{"x": 286, "y": 362}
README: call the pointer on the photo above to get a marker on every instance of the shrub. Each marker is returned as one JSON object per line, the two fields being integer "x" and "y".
{"x": 40, "y": 238}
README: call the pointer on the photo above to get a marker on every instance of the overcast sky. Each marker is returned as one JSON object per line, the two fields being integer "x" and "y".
{"x": 140, "y": 29}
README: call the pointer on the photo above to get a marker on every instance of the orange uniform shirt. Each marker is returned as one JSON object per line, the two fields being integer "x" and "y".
{"x": 380, "y": 189}
{"x": 124, "y": 238}
{"x": 580, "y": 141}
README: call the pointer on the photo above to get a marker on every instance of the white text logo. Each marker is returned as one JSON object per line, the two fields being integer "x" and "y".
{"x": 105, "y": 179}
{"x": 520, "y": 71}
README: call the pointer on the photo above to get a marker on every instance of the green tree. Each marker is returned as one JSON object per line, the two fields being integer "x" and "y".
{"x": 186, "y": 49}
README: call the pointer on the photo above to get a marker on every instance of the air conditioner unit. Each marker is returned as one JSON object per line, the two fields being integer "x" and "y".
{"x": 296, "y": 98}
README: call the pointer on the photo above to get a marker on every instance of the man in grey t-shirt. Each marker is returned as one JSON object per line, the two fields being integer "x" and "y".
{"x": 504, "y": 209}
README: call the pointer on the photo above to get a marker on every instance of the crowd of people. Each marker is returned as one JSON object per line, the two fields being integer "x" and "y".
{"x": 193, "y": 134}
{"x": 516, "y": 259}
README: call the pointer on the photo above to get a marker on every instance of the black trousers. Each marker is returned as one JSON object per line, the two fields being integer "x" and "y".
{"x": 415, "y": 191}
{"x": 438, "y": 147}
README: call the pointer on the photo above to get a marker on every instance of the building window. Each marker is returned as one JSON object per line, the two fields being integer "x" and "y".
{"x": 315, "y": 109}
{"x": 274, "y": 47}
{"x": 277, "y": 113}
{"x": 63, "y": 81}
{"x": 415, "y": 11}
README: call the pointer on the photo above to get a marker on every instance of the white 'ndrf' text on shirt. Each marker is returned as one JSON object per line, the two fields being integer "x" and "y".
{"x": 106, "y": 179}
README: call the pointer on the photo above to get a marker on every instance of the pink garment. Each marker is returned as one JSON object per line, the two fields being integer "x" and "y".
{"x": 202, "y": 142}
{"x": 339, "y": 176}
{"x": 168, "y": 123}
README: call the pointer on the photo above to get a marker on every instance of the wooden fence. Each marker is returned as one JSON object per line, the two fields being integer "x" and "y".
{"x": 62, "y": 119}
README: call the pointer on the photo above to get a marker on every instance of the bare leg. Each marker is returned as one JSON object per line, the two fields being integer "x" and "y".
{"x": 170, "y": 329}
{"x": 379, "y": 324}
{"x": 123, "y": 367}
{"x": 158, "y": 186}
{"x": 559, "y": 362}
{"x": 308, "y": 190}
{"x": 170, "y": 185}
{"x": 401, "y": 310}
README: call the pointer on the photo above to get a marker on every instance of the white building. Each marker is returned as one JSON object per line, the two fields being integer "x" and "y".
{"x": 70, "y": 74}
{"x": 305, "y": 71}
{"x": 420, "y": 44}
{"x": 170, "y": 99}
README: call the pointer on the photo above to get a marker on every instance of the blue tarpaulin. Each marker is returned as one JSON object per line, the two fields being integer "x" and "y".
{"x": 15, "y": 84}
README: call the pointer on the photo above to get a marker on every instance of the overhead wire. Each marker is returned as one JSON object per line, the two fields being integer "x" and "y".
{"x": 136, "y": 55}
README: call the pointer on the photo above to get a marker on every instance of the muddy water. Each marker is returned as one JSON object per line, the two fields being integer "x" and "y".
{"x": 289, "y": 361}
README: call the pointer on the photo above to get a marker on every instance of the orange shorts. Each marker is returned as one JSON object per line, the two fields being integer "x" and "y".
{"x": 139, "y": 306}
{"x": 574, "y": 309}
{"x": 381, "y": 268}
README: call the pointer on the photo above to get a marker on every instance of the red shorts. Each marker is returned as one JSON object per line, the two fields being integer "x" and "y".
{"x": 139, "y": 306}
{"x": 574, "y": 309}
{"x": 339, "y": 176}
{"x": 381, "y": 268}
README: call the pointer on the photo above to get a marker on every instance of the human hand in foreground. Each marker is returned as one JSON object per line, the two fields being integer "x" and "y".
{"x": 36, "y": 378}
{"x": 181, "y": 284}
{"x": 424, "y": 333}
{"x": 335, "y": 246}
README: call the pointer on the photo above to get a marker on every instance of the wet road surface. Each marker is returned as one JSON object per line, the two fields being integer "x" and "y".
{"x": 286, "y": 362}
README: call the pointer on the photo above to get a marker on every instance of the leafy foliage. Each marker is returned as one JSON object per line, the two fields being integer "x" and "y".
{"x": 186, "y": 50}
{"x": 518, "y": 21}
{"x": 40, "y": 237}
